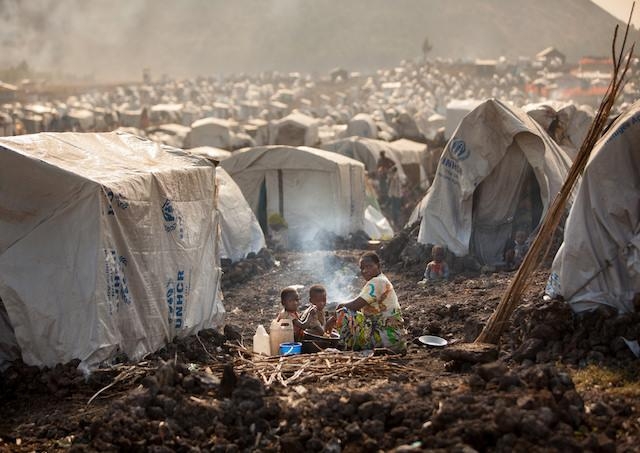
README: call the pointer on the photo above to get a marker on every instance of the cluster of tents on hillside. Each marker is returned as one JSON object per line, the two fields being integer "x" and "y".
{"x": 110, "y": 243}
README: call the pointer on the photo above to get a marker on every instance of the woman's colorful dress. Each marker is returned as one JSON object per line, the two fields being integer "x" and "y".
{"x": 379, "y": 324}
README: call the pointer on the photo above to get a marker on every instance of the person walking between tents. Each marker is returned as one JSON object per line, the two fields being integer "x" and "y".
{"x": 395, "y": 195}
{"x": 384, "y": 165}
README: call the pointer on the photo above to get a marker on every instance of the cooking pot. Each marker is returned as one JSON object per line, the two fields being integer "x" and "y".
{"x": 315, "y": 343}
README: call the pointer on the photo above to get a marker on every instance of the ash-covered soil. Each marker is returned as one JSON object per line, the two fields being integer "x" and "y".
{"x": 556, "y": 383}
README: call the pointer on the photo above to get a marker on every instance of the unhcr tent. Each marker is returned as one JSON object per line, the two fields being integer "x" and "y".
{"x": 498, "y": 173}
{"x": 108, "y": 245}
{"x": 313, "y": 190}
{"x": 239, "y": 229}
{"x": 599, "y": 260}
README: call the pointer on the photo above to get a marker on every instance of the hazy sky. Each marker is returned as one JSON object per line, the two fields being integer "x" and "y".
{"x": 115, "y": 39}
{"x": 621, "y": 9}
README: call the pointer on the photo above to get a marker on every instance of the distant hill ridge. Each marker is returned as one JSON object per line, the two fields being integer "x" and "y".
{"x": 366, "y": 33}
{"x": 198, "y": 37}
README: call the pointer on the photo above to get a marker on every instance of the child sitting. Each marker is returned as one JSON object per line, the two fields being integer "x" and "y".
{"x": 516, "y": 250}
{"x": 312, "y": 319}
{"x": 437, "y": 269}
{"x": 289, "y": 298}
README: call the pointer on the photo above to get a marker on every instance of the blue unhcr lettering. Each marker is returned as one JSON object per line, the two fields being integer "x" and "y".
{"x": 180, "y": 300}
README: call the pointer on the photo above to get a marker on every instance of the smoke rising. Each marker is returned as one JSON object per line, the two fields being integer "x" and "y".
{"x": 341, "y": 278}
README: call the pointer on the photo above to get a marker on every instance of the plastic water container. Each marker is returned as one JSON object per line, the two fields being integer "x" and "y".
{"x": 290, "y": 348}
{"x": 280, "y": 332}
{"x": 261, "y": 341}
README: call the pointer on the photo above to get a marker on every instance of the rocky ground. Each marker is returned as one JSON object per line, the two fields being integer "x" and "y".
{"x": 556, "y": 383}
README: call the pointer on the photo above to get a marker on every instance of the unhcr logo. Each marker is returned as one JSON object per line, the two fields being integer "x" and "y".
{"x": 169, "y": 216}
{"x": 115, "y": 199}
{"x": 117, "y": 286}
{"x": 176, "y": 294}
{"x": 459, "y": 150}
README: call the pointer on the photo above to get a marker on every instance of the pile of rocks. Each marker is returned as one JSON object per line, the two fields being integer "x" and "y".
{"x": 544, "y": 331}
{"x": 177, "y": 409}
{"x": 237, "y": 272}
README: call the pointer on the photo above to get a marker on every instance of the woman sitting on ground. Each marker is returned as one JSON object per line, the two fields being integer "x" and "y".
{"x": 373, "y": 319}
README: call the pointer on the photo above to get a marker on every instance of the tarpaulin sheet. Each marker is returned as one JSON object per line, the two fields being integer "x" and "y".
{"x": 598, "y": 262}
{"x": 108, "y": 245}
{"x": 489, "y": 146}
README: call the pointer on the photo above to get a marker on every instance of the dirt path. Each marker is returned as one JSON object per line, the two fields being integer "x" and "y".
{"x": 566, "y": 386}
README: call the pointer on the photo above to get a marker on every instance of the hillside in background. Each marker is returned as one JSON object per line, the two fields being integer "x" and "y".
{"x": 198, "y": 37}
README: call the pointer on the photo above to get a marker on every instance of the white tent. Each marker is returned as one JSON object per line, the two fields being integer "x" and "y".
{"x": 367, "y": 151}
{"x": 413, "y": 156}
{"x": 108, "y": 244}
{"x": 362, "y": 125}
{"x": 210, "y": 132}
{"x": 83, "y": 117}
{"x": 129, "y": 117}
{"x": 456, "y": 110}
{"x": 497, "y": 161}
{"x": 170, "y": 134}
{"x": 258, "y": 129}
{"x": 599, "y": 261}
{"x": 311, "y": 189}
{"x": 239, "y": 229}
{"x": 429, "y": 123}
{"x": 295, "y": 129}
{"x": 567, "y": 123}
{"x": 166, "y": 113}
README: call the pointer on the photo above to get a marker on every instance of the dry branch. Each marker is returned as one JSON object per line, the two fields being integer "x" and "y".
{"x": 498, "y": 321}
{"x": 126, "y": 374}
{"x": 321, "y": 366}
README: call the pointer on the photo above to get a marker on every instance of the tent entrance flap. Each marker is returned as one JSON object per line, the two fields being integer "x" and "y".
{"x": 505, "y": 201}
{"x": 262, "y": 207}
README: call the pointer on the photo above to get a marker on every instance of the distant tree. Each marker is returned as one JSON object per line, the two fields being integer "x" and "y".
{"x": 426, "y": 47}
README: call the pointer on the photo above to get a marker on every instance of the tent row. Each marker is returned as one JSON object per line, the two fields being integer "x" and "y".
{"x": 499, "y": 173}
{"x": 111, "y": 244}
